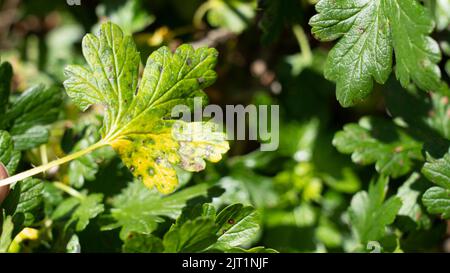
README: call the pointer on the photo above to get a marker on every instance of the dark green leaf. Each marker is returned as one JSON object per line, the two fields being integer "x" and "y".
{"x": 142, "y": 243}
{"x": 28, "y": 117}
{"x": 8, "y": 156}
{"x": 192, "y": 236}
{"x": 368, "y": 32}
{"x": 5, "y": 86}
{"x": 377, "y": 141}
{"x": 25, "y": 201}
{"x": 278, "y": 14}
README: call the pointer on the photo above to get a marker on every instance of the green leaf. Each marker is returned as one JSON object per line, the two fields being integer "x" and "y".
{"x": 368, "y": 32}
{"x": 28, "y": 117}
{"x": 191, "y": 236}
{"x": 86, "y": 167}
{"x": 447, "y": 67}
{"x": 135, "y": 123}
{"x": 5, "y": 85}
{"x": 8, "y": 156}
{"x": 25, "y": 201}
{"x": 257, "y": 249}
{"x": 370, "y": 213}
{"x": 138, "y": 209}
{"x": 412, "y": 213}
{"x": 81, "y": 210}
{"x": 234, "y": 15}
{"x": 429, "y": 118}
{"x": 438, "y": 171}
{"x": 377, "y": 141}
{"x": 129, "y": 14}
{"x": 73, "y": 246}
{"x": 437, "y": 201}
{"x": 441, "y": 13}
{"x": 237, "y": 226}
{"x": 6, "y": 234}
{"x": 142, "y": 243}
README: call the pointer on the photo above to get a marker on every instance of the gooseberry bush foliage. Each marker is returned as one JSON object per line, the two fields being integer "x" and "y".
{"x": 90, "y": 153}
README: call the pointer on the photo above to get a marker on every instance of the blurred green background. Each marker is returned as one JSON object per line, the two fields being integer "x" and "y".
{"x": 267, "y": 56}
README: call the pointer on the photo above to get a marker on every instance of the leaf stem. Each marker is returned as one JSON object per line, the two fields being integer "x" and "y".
{"x": 201, "y": 11}
{"x": 57, "y": 162}
{"x": 303, "y": 43}
{"x": 69, "y": 190}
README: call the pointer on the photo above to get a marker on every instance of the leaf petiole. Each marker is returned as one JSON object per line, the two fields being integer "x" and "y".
{"x": 54, "y": 163}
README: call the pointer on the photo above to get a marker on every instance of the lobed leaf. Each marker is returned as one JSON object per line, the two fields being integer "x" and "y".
{"x": 138, "y": 209}
{"x": 191, "y": 236}
{"x": 376, "y": 141}
{"x": 370, "y": 213}
{"x": 8, "y": 156}
{"x": 369, "y": 31}
{"x": 135, "y": 122}
{"x": 437, "y": 200}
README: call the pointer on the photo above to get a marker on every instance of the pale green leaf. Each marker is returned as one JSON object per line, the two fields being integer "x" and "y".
{"x": 234, "y": 15}
{"x": 79, "y": 210}
{"x": 370, "y": 213}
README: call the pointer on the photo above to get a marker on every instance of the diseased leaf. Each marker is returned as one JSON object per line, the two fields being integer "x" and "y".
{"x": 191, "y": 236}
{"x": 370, "y": 213}
{"x": 135, "y": 122}
{"x": 138, "y": 209}
{"x": 377, "y": 141}
{"x": 437, "y": 201}
{"x": 369, "y": 31}
{"x": 237, "y": 226}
